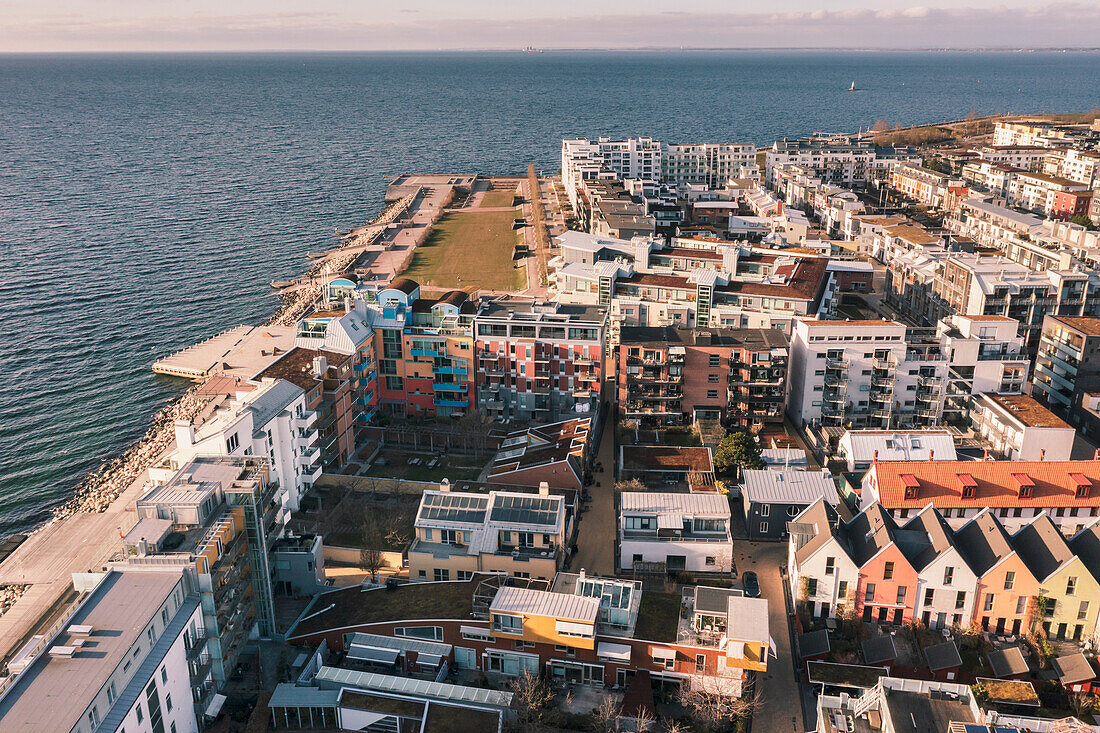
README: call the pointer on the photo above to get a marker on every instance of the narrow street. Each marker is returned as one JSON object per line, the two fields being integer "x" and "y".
{"x": 596, "y": 543}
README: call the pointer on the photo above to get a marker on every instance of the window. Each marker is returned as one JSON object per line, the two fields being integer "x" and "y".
{"x": 901, "y": 595}
{"x": 1071, "y": 585}
{"x": 111, "y": 693}
{"x": 1083, "y": 611}
{"x": 928, "y": 595}
{"x": 168, "y": 701}
{"x": 830, "y": 565}
{"x": 763, "y": 528}
{"x": 700, "y": 663}
{"x": 231, "y": 443}
{"x": 140, "y": 713}
{"x": 465, "y": 574}
{"x": 948, "y": 575}
{"x": 888, "y": 571}
{"x": 1021, "y": 605}
{"x": 712, "y": 394}
{"x": 811, "y": 586}
{"x": 639, "y": 523}
{"x": 505, "y": 624}
{"x": 709, "y": 560}
{"x": 869, "y": 593}
{"x": 440, "y": 574}
{"x": 714, "y": 360}
{"x": 988, "y": 602}
{"x": 712, "y": 378}
{"x": 960, "y": 599}
{"x": 1010, "y": 580}
{"x": 765, "y": 509}
{"x": 842, "y": 589}
{"x": 432, "y": 633}
{"x": 93, "y": 717}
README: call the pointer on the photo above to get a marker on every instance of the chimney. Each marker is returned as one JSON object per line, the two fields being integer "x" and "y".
{"x": 1096, "y": 455}
{"x": 580, "y": 576}
{"x": 445, "y": 485}
{"x": 1042, "y": 454}
{"x": 185, "y": 433}
{"x": 985, "y": 455}
{"x": 320, "y": 366}
{"x": 932, "y": 455}
{"x": 875, "y": 456}
{"x": 544, "y": 488}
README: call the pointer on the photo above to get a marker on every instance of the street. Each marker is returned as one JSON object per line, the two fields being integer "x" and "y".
{"x": 596, "y": 540}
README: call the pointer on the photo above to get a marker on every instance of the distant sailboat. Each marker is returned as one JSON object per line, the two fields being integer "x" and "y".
{"x": 851, "y": 88}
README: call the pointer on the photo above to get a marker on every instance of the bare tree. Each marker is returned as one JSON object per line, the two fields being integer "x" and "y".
{"x": 1081, "y": 703}
{"x": 673, "y": 726}
{"x": 880, "y": 126}
{"x": 710, "y": 706}
{"x": 531, "y": 698}
{"x": 371, "y": 558}
{"x": 631, "y": 485}
{"x": 606, "y": 715}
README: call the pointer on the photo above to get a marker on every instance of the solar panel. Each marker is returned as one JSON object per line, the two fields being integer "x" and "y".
{"x": 525, "y": 509}
{"x": 454, "y": 508}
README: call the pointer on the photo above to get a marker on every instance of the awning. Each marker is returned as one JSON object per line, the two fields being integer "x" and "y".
{"x": 475, "y": 632}
{"x": 428, "y": 660}
{"x": 659, "y": 653}
{"x": 215, "y": 706}
{"x": 771, "y": 646}
{"x": 573, "y": 628}
{"x": 374, "y": 654}
{"x": 670, "y": 520}
{"x": 617, "y": 652}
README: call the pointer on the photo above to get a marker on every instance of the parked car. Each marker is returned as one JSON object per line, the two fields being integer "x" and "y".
{"x": 751, "y": 584}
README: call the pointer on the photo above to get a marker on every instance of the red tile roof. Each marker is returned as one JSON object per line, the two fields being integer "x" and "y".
{"x": 995, "y": 483}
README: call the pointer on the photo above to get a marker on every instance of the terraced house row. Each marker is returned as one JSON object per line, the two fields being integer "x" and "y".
{"x": 923, "y": 570}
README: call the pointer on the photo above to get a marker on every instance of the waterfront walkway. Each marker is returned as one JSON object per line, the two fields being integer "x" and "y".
{"x": 46, "y": 562}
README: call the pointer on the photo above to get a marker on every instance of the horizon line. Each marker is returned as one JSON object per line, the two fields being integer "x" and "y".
{"x": 569, "y": 49}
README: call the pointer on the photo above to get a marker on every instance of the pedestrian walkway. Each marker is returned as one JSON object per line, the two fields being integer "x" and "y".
{"x": 596, "y": 543}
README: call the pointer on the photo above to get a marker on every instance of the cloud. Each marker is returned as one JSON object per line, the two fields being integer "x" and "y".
{"x": 1058, "y": 24}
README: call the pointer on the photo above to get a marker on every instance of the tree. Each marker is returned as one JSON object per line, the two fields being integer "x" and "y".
{"x": 1081, "y": 703}
{"x": 605, "y": 718}
{"x": 737, "y": 451}
{"x": 631, "y": 485}
{"x": 933, "y": 165}
{"x": 531, "y": 698}
{"x": 880, "y": 126}
{"x": 371, "y": 537}
{"x": 709, "y": 706}
{"x": 1083, "y": 220}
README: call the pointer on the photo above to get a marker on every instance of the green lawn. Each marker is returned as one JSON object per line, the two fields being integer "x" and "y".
{"x": 470, "y": 250}
{"x": 498, "y": 198}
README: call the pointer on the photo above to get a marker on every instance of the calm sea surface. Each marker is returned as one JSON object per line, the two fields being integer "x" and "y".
{"x": 147, "y": 201}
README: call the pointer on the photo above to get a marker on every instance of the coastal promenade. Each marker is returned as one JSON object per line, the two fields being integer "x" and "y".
{"x": 48, "y": 558}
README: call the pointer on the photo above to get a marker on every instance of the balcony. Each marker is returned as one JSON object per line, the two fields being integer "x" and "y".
{"x": 438, "y": 352}
{"x": 886, "y": 364}
{"x": 449, "y": 387}
{"x": 457, "y": 371}
{"x": 834, "y": 397}
{"x": 195, "y": 644}
{"x": 883, "y": 383}
{"x": 836, "y": 363}
{"x": 449, "y": 403}
{"x": 925, "y": 413}
{"x": 306, "y": 419}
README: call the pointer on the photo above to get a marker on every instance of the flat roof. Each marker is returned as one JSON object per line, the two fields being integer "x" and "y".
{"x": 788, "y": 486}
{"x": 747, "y": 619}
{"x": 919, "y": 712}
{"x": 666, "y": 458}
{"x": 52, "y": 694}
{"x": 1027, "y": 410}
{"x": 686, "y": 504}
{"x": 1087, "y": 326}
{"x": 565, "y": 606}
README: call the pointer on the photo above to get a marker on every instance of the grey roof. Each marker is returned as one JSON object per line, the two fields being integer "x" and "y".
{"x": 562, "y": 606}
{"x": 1086, "y": 545}
{"x": 821, "y": 516}
{"x": 52, "y": 693}
{"x": 788, "y": 486}
{"x": 1007, "y": 662}
{"x": 920, "y": 712}
{"x": 869, "y": 532}
{"x": 290, "y": 695}
{"x": 1073, "y": 668}
{"x": 942, "y": 656}
{"x": 879, "y": 649}
{"x": 335, "y": 676}
{"x": 983, "y": 542}
{"x": 713, "y": 600}
{"x": 1042, "y": 547}
{"x": 525, "y": 509}
{"x": 453, "y": 507}
{"x": 760, "y": 339}
{"x": 702, "y": 504}
{"x": 400, "y": 643}
{"x": 813, "y": 643}
{"x": 276, "y": 398}
{"x": 747, "y": 619}
{"x": 925, "y": 537}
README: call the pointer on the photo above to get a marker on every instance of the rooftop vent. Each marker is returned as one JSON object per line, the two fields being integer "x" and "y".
{"x": 62, "y": 651}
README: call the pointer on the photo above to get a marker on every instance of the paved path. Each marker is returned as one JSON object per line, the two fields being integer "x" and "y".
{"x": 596, "y": 542}
{"x": 781, "y": 710}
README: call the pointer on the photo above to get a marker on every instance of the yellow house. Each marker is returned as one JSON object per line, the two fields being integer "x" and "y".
{"x": 1071, "y": 593}
{"x": 544, "y": 617}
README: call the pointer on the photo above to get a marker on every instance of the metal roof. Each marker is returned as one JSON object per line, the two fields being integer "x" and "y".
{"x": 290, "y": 695}
{"x": 415, "y": 688}
{"x": 563, "y": 606}
{"x": 401, "y": 643}
{"x": 889, "y": 445}
{"x": 788, "y": 486}
{"x": 747, "y": 619}
{"x": 689, "y": 504}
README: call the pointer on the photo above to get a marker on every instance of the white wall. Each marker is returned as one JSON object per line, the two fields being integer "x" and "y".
{"x": 828, "y": 586}
{"x": 944, "y": 596}
{"x": 695, "y": 553}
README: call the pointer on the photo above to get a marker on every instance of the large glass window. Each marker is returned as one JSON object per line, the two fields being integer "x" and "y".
{"x": 507, "y": 624}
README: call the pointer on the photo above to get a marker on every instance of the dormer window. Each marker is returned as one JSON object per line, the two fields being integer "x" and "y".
{"x": 911, "y": 484}
{"x": 1082, "y": 484}
{"x": 969, "y": 485}
{"x": 1025, "y": 484}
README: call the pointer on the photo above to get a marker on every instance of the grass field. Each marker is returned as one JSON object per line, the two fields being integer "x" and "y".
{"x": 470, "y": 250}
{"x": 497, "y": 198}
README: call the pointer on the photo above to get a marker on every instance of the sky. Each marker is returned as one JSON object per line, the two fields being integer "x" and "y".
{"x": 373, "y": 25}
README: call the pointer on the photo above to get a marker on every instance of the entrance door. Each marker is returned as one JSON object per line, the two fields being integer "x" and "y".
{"x": 676, "y": 563}
{"x": 1000, "y": 627}
{"x": 824, "y": 610}
{"x": 1016, "y": 627}
{"x": 897, "y": 616}
{"x": 1077, "y": 632}
{"x": 867, "y": 614}
{"x": 465, "y": 658}
{"x": 926, "y": 619}
{"x": 882, "y": 614}
{"x": 941, "y": 620}
{"x": 1062, "y": 631}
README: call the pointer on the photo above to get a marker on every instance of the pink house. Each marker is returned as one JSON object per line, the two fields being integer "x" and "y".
{"x": 887, "y": 586}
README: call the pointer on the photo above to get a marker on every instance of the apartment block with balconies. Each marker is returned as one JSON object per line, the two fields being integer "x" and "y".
{"x": 1067, "y": 369}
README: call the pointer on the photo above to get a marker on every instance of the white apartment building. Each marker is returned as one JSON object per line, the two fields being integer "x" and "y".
{"x": 861, "y": 448}
{"x": 269, "y": 419}
{"x": 986, "y": 354}
{"x": 121, "y": 661}
{"x": 991, "y": 177}
{"x": 1037, "y": 191}
{"x": 1018, "y": 428}
{"x": 1081, "y": 166}
{"x": 1030, "y": 133}
{"x": 921, "y": 184}
{"x": 837, "y": 159}
{"x": 644, "y": 158}
{"x": 1028, "y": 157}
{"x": 866, "y": 374}
{"x": 684, "y": 531}
{"x": 991, "y": 224}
